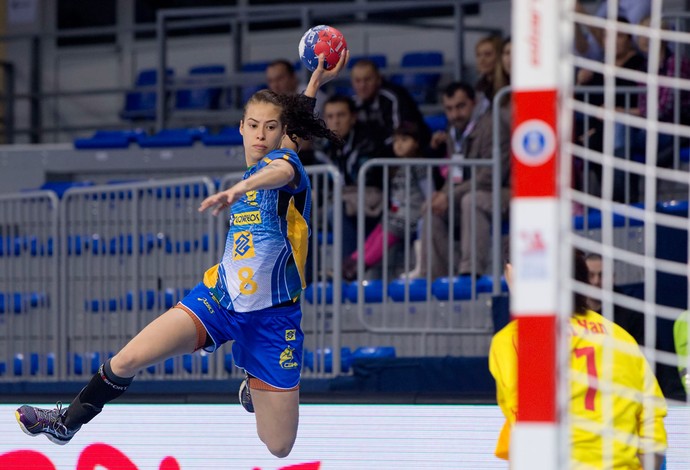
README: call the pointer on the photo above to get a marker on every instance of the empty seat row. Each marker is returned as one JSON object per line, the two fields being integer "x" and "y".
{"x": 415, "y": 290}
{"x": 226, "y": 136}
{"x": 321, "y": 360}
{"x": 30, "y": 365}
{"x": 149, "y": 299}
{"x": 18, "y": 302}
{"x": 124, "y": 244}
{"x": 185, "y": 137}
{"x": 206, "y": 90}
{"x": 96, "y": 245}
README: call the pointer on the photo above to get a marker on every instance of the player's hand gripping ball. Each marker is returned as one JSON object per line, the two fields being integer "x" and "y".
{"x": 324, "y": 40}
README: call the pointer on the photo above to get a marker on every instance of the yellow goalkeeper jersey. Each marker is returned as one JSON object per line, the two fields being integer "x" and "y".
{"x": 603, "y": 356}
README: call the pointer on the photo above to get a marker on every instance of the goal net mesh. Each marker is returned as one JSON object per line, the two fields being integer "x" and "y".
{"x": 624, "y": 114}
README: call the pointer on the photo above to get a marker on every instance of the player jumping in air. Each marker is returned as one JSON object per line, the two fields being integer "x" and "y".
{"x": 252, "y": 296}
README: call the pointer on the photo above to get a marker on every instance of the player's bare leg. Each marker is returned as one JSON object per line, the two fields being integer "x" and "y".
{"x": 171, "y": 334}
{"x": 277, "y": 418}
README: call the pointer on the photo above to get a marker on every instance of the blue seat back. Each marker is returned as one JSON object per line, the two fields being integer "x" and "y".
{"x": 140, "y": 104}
{"x": 422, "y": 86}
{"x": 200, "y": 98}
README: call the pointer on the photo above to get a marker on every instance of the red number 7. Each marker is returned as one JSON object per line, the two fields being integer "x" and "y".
{"x": 588, "y": 352}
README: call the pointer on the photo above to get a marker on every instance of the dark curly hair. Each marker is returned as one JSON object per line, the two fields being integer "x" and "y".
{"x": 297, "y": 113}
{"x": 580, "y": 273}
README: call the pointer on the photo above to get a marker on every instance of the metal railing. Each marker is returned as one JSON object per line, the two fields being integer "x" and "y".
{"x": 39, "y": 93}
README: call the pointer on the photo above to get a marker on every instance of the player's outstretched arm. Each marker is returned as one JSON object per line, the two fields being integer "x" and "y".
{"x": 275, "y": 175}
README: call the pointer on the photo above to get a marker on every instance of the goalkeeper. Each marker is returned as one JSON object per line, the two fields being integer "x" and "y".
{"x": 637, "y": 406}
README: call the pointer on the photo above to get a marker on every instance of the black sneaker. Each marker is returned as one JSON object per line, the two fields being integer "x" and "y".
{"x": 35, "y": 421}
{"x": 245, "y": 396}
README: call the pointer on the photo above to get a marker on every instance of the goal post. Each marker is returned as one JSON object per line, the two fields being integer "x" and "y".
{"x": 534, "y": 230}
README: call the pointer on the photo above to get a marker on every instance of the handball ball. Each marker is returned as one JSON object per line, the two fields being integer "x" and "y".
{"x": 324, "y": 40}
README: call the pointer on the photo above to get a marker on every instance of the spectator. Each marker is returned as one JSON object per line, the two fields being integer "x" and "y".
{"x": 629, "y": 403}
{"x": 476, "y": 144}
{"x": 627, "y": 57}
{"x": 282, "y": 78}
{"x": 589, "y": 41}
{"x": 670, "y": 65}
{"x": 383, "y": 105}
{"x": 459, "y": 106}
{"x": 360, "y": 145}
{"x": 488, "y": 56}
{"x": 407, "y": 143}
{"x": 503, "y": 66}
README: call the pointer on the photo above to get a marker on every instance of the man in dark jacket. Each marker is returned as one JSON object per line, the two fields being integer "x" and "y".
{"x": 383, "y": 104}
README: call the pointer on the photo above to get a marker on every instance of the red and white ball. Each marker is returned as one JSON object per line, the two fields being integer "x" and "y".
{"x": 324, "y": 40}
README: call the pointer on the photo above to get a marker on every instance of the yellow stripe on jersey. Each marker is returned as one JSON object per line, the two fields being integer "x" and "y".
{"x": 211, "y": 276}
{"x": 298, "y": 235}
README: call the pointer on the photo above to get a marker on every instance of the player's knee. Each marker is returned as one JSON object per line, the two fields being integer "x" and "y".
{"x": 125, "y": 364}
{"x": 280, "y": 449}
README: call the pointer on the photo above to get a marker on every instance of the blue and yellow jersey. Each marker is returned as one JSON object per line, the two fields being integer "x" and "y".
{"x": 266, "y": 247}
{"x": 603, "y": 355}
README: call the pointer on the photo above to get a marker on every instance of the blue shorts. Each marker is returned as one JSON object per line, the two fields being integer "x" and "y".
{"x": 268, "y": 343}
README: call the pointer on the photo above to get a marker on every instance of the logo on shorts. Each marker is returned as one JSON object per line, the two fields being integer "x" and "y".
{"x": 246, "y": 218}
{"x": 290, "y": 335}
{"x": 205, "y": 302}
{"x": 287, "y": 360}
{"x": 243, "y": 247}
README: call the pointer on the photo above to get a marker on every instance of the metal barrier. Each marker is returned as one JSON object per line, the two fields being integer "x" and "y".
{"x": 130, "y": 252}
{"x": 29, "y": 314}
{"x": 426, "y": 317}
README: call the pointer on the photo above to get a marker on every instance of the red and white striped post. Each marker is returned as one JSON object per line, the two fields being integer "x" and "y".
{"x": 534, "y": 231}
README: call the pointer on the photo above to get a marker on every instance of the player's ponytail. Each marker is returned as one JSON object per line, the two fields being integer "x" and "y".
{"x": 297, "y": 113}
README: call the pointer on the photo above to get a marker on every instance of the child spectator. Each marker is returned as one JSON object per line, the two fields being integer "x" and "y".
{"x": 406, "y": 208}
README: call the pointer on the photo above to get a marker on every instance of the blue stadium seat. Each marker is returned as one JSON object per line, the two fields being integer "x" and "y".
{"x": 312, "y": 359}
{"x": 228, "y": 364}
{"x": 678, "y": 208}
{"x": 200, "y": 98}
{"x": 172, "y": 138}
{"x": 18, "y": 364}
{"x": 35, "y": 363}
{"x": 324, "y": 292}
{"x": 373, "y": 291}
{"x": 375, "y": 352}
{"x": 18, "y": 302}
{"x": 462, "y": 287}
{"x": 437, "y": 122}
{"x": 229, "y": 135}
{"x": 141, "y": 104}
{"x": 685, "y": 154}
{"x": 422, "y": 86}
{"x": 60, "y": 187}
{"x": 187, "y": 362}
{"x": 592, "y": 220}
{"x": 108, "y": 139}
{"x": 253, "y": 67}
{"x": 417, "y": 290}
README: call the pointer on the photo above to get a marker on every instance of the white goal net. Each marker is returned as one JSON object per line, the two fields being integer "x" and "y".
{"x": 622, "y": 75}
